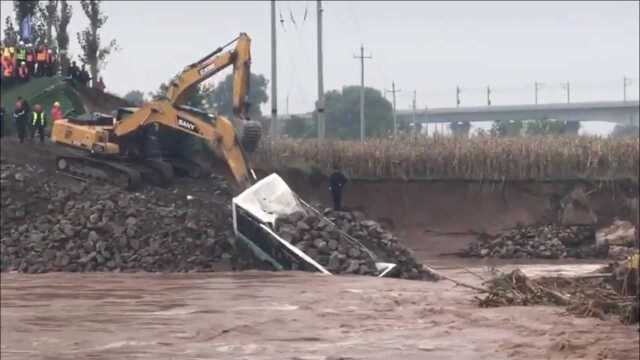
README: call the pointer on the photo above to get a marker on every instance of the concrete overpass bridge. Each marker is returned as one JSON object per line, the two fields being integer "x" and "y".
{"x": 620, "y": 112}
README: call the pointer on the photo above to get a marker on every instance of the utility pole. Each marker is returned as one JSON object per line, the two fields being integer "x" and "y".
{"x": 567, "y": 87}
{"x": 457, "y": 96}
{"x": 426, "y": 120}
{"x": 488, "y": 96}
{"x": 362, "y": 57}
{"x": 413, "y": 106}
{"x": 536, "y": 85}
{"x": 274, "y": 76}
{"x": 320, "y": 103}
{"x": 625, "y": 81}
{"x": 393, "y": 92}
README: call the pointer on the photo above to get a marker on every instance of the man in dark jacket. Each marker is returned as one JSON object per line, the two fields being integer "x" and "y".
{"x": 337, "y": 180}
{"x": 27, "y": 115}
{"x": 20, "y": 119}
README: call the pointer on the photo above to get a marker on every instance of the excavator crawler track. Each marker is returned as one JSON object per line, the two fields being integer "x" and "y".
{"x": 102, "y": 170}
{"x": 161, "y": 172}
{"x": 186, "y": 167}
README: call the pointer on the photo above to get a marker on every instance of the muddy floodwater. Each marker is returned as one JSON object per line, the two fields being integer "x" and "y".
{"x": 261, "y": 315}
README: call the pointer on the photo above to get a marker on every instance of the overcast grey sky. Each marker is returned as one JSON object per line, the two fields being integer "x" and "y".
{"x": 429, "y": 47}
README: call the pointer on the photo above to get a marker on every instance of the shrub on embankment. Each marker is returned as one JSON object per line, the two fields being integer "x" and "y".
{"x": 477, "y": 158}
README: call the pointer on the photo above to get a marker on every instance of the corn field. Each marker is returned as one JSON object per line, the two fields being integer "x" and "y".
{"x": 477, "y": 158}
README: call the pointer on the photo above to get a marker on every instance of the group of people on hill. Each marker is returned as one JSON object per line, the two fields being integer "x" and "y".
{"x": 79, "y": 75}
{"x": 21, "y": 62}
{"x": 29, "y": 121}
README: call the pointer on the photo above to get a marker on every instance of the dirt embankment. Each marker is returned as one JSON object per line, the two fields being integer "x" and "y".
{"x": 97, "y": 101}
{"x": 440, "y": 217}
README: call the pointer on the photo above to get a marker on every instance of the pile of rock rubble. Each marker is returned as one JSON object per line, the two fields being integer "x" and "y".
{"x": 621, "y": 239}
{"x": 545, "y": 242}
{"x": 49, "y": 224}
{"x": 54, "y": 223}
{"x": 347, "y": 243}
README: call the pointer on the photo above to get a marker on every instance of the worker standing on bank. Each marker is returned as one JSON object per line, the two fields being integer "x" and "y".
{"x": 56, "y": 112}
{"x": 41, "y": 61}
{"x": 23, "y": 72}
{"x": 38, "y": 122}
{"x": 21, "y": 54}
{"x": 20, "y": 119}
{"x": 31, "y": 59}
{"x": 337, "y": 180}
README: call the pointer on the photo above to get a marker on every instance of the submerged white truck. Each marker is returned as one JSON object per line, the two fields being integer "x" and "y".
{"x": 255, "y": 212}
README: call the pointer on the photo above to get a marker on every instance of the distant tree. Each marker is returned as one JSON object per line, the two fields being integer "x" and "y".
{"x": 482, "y": 133}
{"x": 195, "y": 97}
{"x": 298, "y": 127}
{"x": 220, "y": 97}
{"x": 460, "y": 128}
{"x": 506, "y": 128}
{"x": 342, "y": 109}
{"x": 24, "y": 8}
{"x": 625, "y": 130}
{"x": 135, "y": 97}
{"x": 10, "y": 33}
{"x": 49, "y": 16}
{"x": 62, "y": 35}
{"x": 93, "y": 53}
{"x": 546, "y": 127}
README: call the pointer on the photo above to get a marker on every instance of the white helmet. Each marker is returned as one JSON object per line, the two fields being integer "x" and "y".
{"x": 21, "y": 43}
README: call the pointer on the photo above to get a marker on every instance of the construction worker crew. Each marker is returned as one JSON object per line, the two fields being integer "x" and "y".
{"x": 38, "y": 122}
{"x": 337, "y": 180}
{"x": 20, "y": 119}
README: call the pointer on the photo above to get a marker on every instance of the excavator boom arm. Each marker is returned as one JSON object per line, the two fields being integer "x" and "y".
{"x": 196, "y": 73}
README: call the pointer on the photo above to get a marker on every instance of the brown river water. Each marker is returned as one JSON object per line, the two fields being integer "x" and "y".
{"x": 263, "y": 315}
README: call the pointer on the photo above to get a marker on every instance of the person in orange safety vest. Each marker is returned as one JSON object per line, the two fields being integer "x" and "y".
{"x": 41, "y": 60}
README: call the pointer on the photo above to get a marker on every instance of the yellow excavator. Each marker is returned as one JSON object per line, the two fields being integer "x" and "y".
{"x": 125, "y": 148}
